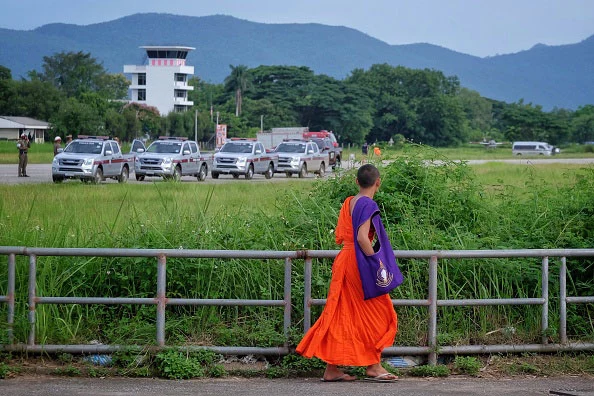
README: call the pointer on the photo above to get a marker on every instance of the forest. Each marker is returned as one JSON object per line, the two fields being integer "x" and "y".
{"x": 75, "y": 93}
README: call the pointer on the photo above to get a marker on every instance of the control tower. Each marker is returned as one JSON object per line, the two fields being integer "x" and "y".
{"x": 163, "y": 81}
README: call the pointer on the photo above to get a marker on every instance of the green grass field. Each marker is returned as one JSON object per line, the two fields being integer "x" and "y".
{"x": 450, "y": 207}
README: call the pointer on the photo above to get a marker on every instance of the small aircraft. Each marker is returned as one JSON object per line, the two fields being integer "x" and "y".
{"x": 490, "y": 144}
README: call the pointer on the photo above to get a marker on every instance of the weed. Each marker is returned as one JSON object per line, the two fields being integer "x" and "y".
{"x": 65, "y": 358}
{"x": 430, "y": 371}
{"x": 4, "y": 370}
{"x": 467, "y": 365}
{"x": 68, "y": 371}
{"x": 173, "y": 364}
{"x": 277, "y": 372}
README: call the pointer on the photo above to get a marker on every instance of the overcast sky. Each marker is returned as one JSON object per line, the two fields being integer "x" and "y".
{"x": 477, "y": 27}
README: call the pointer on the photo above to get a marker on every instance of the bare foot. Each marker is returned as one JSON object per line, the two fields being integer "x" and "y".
{"x": 332, "y": 373}
{"x": 376, "y": 370}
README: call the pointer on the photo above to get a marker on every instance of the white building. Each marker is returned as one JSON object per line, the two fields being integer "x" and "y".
{"x": 163, "y": 81}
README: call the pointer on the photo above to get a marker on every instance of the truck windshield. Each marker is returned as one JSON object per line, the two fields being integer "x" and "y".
{"x": 237, "y": 148}
{"x": 165, "y": 147}
{"x": 290, "y": 148}
{"x": 82, "y": 147}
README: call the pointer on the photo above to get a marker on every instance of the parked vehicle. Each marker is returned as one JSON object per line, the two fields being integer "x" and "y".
{"x": 244, "y": 157}
{"x": 334, "y": 152}
{"x": 533, "y": 148}
{"x": 93, "y": 158}
{"x": 300, "y": 157}
{"x": 171, "y": 158}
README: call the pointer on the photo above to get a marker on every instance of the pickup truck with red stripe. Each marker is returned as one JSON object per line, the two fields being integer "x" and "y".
{"x": 171, "y": 158}
{"x": 245, "y": 157}
{"x": 94, "y": 159}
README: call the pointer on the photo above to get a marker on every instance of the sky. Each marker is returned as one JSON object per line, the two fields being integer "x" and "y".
{"x": 476, "y": 27}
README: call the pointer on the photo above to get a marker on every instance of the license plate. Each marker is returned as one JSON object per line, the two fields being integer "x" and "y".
{"x": 150, "y": 173}
{"x": 68, "y": 174}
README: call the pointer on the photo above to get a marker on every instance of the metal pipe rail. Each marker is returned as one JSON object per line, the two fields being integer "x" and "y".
{"x": 161, "y": 301}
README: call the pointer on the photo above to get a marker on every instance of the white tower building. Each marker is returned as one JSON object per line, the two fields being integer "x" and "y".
{"x": 163, "y": 81}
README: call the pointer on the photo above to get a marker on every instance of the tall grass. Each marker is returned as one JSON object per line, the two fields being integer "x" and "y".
{"x": 424, "y": 207}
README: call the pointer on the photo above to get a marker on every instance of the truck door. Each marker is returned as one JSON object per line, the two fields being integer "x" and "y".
{"x": 117, "y": 159}
{"x": 194, "y": 157}
{"x": 187, "y": 163}
{"x": 259, "y": 164}
{"x": 106, "y": 157}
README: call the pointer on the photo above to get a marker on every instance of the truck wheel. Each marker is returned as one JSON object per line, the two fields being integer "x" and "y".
{"x": 269, "y": 172}
{"x": 57, "y": 179}
{"x": 250, "y": 173}
{"x": 214, "y": 175}
{"x": 322, "y": 170}
{"x": 203, "y": 173}
{"x": 303, "y": 171}
{"x": 177, "y": 174}
{"x": 139, "y": 177}
{"x": 124, "y": 175}
{"x": 289, "y": 174}
{"x": 98, "y": 176}
{"x": 235, "y": 175}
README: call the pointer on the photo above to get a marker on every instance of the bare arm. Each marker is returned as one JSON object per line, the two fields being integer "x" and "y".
{"x": 363, "y": 238}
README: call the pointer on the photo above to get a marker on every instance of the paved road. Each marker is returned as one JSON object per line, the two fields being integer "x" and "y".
{"x": 42, "y": 173}
{"x": 44, "y": 385}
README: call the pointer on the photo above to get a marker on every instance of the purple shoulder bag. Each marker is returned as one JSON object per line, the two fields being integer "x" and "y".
{"x": 379, "y": 272}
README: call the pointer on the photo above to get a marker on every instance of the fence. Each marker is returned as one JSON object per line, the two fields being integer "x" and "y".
{"x": 432, "y": 302}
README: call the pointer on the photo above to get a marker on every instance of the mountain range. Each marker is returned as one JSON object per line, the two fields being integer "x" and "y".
{"x": 551, "y": 76}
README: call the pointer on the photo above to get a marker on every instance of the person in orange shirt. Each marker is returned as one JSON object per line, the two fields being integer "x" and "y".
{"x": 377, "y": 151}
{"x": 352, "y": 331}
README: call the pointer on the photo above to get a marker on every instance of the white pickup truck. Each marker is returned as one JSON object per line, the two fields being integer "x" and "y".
{"x": 299, "y": 157}
{"x": 94, "y": 158}
{"x": 243, "y": 157}
{"x": 171, "y": 158}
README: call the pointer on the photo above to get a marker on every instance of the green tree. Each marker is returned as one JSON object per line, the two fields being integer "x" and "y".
{"x": 582, "y": 124}
{"x": 238, "y": 82}
{"x": 71, "y": 72}
{"x": 77, "y": 118}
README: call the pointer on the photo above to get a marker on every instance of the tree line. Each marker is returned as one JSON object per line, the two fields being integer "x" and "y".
{"x": 77, "y": 95}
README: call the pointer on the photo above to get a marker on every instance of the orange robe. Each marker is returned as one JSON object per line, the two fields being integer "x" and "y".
{"x": 351, "y": 331}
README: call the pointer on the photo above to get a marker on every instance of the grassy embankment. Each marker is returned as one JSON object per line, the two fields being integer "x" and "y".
{"x": 454, "y": 206}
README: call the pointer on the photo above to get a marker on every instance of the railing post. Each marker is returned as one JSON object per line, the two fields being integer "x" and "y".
{"x": 10, "y": 295}
{"x": 32, "y": 297}
{"x": 161, "y": 279}
{"x": 545, "y": 297}
{"x": 307, "y": 295}
{"x": 432, "y": 330}
{"x": 563, "y": 301}
{"x": 287, "y": 298}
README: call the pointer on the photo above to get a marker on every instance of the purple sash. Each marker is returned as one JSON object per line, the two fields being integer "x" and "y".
{"x": 379, "y": 272}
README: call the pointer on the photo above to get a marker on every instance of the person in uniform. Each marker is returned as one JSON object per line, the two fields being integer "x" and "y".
{"x": 57, "y": 144}
{"x": 23, "y": 146}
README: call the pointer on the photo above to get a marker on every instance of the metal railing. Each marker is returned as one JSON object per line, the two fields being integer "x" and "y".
{"x": 432, "y": 302}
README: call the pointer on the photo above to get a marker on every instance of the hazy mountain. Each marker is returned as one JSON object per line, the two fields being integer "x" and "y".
{"x": 553, "y": 76}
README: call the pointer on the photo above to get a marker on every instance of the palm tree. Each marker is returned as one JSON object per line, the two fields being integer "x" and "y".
{"x": 238, "y": 81}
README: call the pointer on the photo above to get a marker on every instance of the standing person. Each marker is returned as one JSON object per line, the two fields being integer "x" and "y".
{"x": 364, "y": 148}
{"x": 57, "y": 144}
{"x": 23, "y": 145}
{"x": 353, "y": 331}
{"x": 68, "y": 139}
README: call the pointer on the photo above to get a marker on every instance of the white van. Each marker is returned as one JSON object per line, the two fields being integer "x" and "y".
{"x": 533, "y": 148}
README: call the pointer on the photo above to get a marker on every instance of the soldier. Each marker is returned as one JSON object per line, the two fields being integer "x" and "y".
{"x": 23, "y": 146}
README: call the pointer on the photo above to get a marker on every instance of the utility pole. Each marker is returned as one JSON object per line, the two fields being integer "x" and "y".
{"x": 196, "y": 126}
{"x": 262, "y": 123}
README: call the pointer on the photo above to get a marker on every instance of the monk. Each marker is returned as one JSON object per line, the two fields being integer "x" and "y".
{"x": 352, "y": 331}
